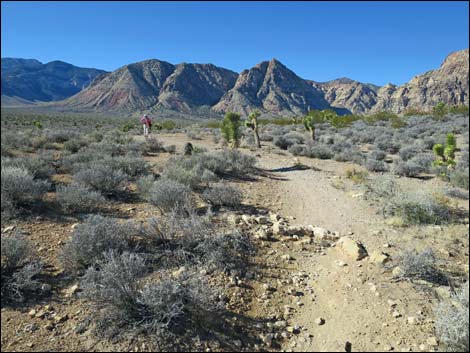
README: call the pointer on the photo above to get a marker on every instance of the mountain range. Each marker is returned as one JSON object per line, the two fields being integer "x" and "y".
{"x": 27, "y": 80}
{"x": 158, "y": 86}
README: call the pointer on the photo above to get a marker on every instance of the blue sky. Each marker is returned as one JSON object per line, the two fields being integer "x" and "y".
{"x": 376, "y": 42}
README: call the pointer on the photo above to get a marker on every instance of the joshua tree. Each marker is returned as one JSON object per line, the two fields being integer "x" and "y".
{"x": 446, "y": 154}
{"x": 252, "y": 123}
{"x": 439, "y": 110}
{"x": 310, "y": 125}
{"x": 231, "y": 129}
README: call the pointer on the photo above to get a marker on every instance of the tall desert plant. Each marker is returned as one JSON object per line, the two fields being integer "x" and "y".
{"x": 231, "y": 129}
{"x": 252, "y": 123}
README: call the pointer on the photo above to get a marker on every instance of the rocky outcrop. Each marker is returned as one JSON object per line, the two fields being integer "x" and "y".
{"x": 351, "y": 96}
{"x": 448, "y": 84}
{"x": 271, "y": 87}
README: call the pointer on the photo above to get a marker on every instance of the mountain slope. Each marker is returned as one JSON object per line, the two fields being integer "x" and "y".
{"x": 153, "y": 84}
{"x": 271, "y": 87}
{"x": 448, "y": 84}
{"x": 30, "y": 80}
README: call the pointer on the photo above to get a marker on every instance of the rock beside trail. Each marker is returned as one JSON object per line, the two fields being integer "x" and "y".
{"x": 378, "y": 257}
{"x": 352, "y": 248}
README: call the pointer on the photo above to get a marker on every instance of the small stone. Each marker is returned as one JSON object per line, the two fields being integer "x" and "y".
{"x": 397, "y": 272}
{"x": 72, "y": 290}
{"x": 411, "y": 320}
{"x": 388, "y": 348}
{"x": 40, "y": 314}
{"x": 341, "y": 264}
{"x": 432, "y": 341}
{"x": 392, "y": 303}
{"x": 8, "y": 229}
{"x": 74, "y": 225}
{"x": 396, "y": 314}
{"x": 32, "y": 313}
{"x": 46, "y": 287}
{"x": 352, "y": 248}
{"x": 379, "y": 258}
{"x": 61, "y": 318}
{"x": 319, "y": 321}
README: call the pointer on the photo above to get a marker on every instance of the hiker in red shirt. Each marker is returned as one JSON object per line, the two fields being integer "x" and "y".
{"x": 147, "y": 124}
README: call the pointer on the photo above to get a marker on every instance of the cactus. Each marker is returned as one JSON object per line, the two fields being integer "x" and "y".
{"x": 310, "y": 125}
{"x": 252, "y": 123}
{"x": 231, "y": 129}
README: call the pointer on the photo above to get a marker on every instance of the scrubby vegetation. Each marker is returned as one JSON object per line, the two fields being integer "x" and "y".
{"x": 452, "y": 321}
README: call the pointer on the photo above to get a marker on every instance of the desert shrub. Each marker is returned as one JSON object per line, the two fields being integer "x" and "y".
{"x": 418, "y": 208}
{"x": 409, "y": 168}
{"x": 77, "y": 198}
{"x": 101, "y": 178}
{"x": 419, "y": 265}
{"x": 456, "y": 193}
{"x": 223, "y": 195}
{"x": 38, "y": 167}
{"x": 374, "y": 165}
{"x": 408, "y": 152}
{"x": 19, "y": 189}
{"x": 181, "y": 172}
{"x": 157, "y": 309}
{"x": 59, "y": 135}
{"x": 132, "y": 166}
{"x": 460, "y": 178}
{"x": 152, "y": 145}
{"x": 74, "y": 145}
{"x": 170, "y": 149}
{"x": 463, "y": 161}
{"x": 19, "y": 268}
{"x": 297, "y": 150}
{"x": 452, "y": 321}
{"x": 91, "y": 238}
{"x": 194, "y": 240}
{"x": 319, "y": 151}
{"x": 168, "y": 194}
{"x": 289, "y": 139}
{"x": 144, "y": 184}
{"x": 356, "y": 175}
{"x": 377, "y": 155}
{"x": 389, "y": 146}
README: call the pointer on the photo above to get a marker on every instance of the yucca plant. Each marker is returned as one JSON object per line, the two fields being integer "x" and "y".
{"x": 252, "y": 123}
{"x": 231, "y": 129}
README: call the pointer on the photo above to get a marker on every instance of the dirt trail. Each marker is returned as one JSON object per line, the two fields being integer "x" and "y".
{"x": 353, "y": 298}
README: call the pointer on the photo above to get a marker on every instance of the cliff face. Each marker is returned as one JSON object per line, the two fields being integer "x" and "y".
{"x": 448, "y": 84}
